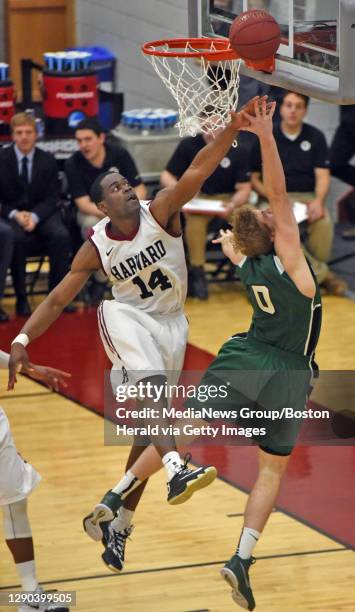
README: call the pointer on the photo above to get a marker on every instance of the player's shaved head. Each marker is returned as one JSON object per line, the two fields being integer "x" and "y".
{"x": 96, "y": 191}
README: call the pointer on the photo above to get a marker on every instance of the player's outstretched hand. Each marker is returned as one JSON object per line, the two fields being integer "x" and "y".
{"x": 53, "y": 378}
{"x": 260, "y": 121}
{"x": 239, "y": 119}
{"x": 249, "y": 107}
{"x": 18, "y": 362}
{"x": 226, "y": 241}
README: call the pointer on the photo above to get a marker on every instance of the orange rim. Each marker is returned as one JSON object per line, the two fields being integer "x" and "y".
{"x": 177, "y": 48}
{"x": 222, "y": 51}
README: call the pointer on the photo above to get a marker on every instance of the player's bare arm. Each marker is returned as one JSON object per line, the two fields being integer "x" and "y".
{"x": 85, "y": 262}
{"x": 170, "y": 201}
{"x": 286, "y": 233}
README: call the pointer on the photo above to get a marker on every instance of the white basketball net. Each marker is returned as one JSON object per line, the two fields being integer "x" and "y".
{"x": 205, "y": 92}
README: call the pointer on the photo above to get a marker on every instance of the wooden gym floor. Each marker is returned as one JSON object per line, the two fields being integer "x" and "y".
{"x": 175, "y": 554}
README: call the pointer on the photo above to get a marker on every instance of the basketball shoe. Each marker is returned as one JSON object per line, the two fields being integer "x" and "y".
{"x": 236, "y": 573}
{"x": 43, "y": 607}
{"x": 103, "y": 512}
{"x": 187, "y": 481}
{"x": 115, "y": 546}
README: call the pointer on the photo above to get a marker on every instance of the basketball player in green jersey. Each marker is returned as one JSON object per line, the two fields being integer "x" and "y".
{"x": 280, "y": 343}
{"x": 271, "y": 365}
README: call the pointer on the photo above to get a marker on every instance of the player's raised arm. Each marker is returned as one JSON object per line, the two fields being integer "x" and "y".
{"x": 273, "y": 173}
{"x": 286, "y": 233}
{"x": 170, "y": 200}
{"x": 84, "y": 263}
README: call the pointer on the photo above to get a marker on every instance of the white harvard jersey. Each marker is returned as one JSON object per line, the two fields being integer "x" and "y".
{"x": 148, "y": 271}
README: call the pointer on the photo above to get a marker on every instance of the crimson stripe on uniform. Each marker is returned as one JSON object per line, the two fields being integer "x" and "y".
{"x": 107, "y": 333}
{"x": 103, "y": 331}
{"x": 98, "y": 253}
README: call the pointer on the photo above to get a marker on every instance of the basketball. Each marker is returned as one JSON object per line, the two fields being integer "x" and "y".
{"x": 255, "y": 35}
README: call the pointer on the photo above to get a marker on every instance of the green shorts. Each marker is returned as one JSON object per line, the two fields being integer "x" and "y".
{"x": 261, "y": 382}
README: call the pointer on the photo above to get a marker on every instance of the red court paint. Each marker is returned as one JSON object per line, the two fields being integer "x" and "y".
{"x": 319, "y": 485}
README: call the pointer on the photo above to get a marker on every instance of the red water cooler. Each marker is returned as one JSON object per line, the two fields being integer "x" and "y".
{"x": 7, "y": 100}
{"x": 69, "y": 93}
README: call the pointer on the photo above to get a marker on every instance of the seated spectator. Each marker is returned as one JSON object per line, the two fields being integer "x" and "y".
{"x": 304, "y": 155}
{"x": 6, "y": 249}
{"x": 29, "y": 195}
{"x": 84, "y": 166}
{"x": 341, "y": 152}
{"x": 230, "y": 183}
{"x": 95, "y": 155}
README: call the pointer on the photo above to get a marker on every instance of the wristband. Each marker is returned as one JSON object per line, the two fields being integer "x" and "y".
{"x": 21, "y": 339}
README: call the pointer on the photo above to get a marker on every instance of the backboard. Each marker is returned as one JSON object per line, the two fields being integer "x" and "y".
{"x": 317, "y": 53}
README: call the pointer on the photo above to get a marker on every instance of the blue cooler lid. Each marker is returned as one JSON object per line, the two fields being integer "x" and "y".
{"x": 71, "y": 61}
{"x": 150, "y": 118}
{"x": 4, "y": 71}
{"x": 98, "y": 54}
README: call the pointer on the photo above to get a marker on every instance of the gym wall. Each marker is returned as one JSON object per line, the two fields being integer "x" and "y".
{"x": 123, "y": 26}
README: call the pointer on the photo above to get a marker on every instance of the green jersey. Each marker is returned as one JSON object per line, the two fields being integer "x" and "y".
{"x": 282, "y": 316}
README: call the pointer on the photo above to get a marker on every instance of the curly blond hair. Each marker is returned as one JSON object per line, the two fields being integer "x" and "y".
{"x": 250, "y": 236}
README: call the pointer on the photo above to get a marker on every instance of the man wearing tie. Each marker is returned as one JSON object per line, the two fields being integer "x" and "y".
{"x": 29, "y": 195}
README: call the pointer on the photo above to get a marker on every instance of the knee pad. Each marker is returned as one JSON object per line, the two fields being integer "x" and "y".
{"x": 16, "y": 521}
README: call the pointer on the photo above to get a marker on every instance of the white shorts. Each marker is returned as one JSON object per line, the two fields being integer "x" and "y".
{"x": 140, "y": 344}
{"x": 17, "y": 477}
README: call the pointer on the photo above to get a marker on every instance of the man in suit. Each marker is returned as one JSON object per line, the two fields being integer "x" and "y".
{"x": 29, "y": 194}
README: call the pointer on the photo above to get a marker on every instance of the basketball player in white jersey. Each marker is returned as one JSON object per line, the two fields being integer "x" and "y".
{"x": 17, "y": 481}
{"x": 144, "y": 331}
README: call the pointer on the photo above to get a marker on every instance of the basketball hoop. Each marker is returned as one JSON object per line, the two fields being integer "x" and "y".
{"x": 203, "y": 76}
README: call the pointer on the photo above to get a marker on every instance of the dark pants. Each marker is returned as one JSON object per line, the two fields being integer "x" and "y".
{"x": 6, "y": 250}
{"x": 50, "y": 237}
{"x": 342, "y": 150}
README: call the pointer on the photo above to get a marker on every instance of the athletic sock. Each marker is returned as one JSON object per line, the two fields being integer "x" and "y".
{"x": 172, "y": 462}
{"x": 126, "y": 485}
{"x": 123, "y": 519}
{"x": 27, "y": 573}
{"x": 247, "y": 542}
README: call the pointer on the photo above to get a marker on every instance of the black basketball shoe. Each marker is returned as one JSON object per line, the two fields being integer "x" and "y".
{"x": 186, "y": 481}
{"x": 105, "y": 511}
{"x": 236, "y": 573}
{"x": 115, "y": 545}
